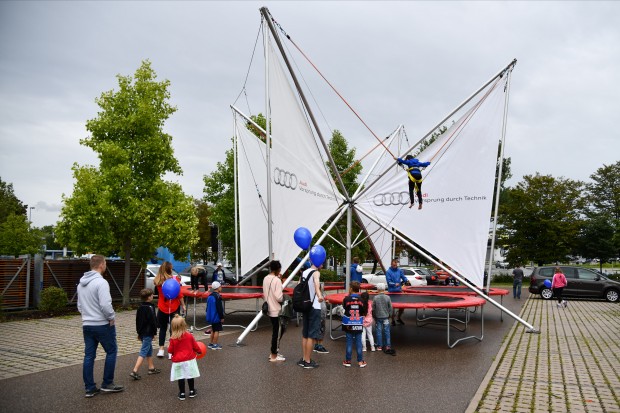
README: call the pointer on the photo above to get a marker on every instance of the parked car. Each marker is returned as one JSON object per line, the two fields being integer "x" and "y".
{"x": 441, "y": 275}
{"x": 416, "y": 276}
{"x": 582, "y": 282}
{"x": 229, "y": 276}
{"x": 151, "y": 271}
{"x": 501, "y": 264}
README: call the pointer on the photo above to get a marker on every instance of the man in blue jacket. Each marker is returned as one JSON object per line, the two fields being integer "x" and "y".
{"x": 395, "y": 278}
{"x": 415, "y": 177}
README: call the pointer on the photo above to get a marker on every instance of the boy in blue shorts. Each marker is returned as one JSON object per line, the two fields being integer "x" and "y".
{"x": 146, "y": 326}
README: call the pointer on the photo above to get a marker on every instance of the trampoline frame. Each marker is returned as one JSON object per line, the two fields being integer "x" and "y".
{"x": 206, "y": 294}
{"x": 447, "y": 319}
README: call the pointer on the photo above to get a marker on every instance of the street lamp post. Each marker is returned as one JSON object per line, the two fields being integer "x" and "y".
{"x": 30, "y": 214}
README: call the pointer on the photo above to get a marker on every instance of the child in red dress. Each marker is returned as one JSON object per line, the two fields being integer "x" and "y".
{"x": 183, "y": 347}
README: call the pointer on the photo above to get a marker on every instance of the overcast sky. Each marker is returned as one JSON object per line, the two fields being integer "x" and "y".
{"x": 396, "y": 63}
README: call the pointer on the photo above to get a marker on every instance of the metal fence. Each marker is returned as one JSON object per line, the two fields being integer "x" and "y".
{"x": 23, "y": 279}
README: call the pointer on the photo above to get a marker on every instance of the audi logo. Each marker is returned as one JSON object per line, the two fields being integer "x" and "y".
{"x": 394, "y": 198}
{"x": 284, "y": 178}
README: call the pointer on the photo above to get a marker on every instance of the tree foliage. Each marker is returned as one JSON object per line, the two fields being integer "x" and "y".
{"x": 124, "y": 206}
{"x": 203, "y": 246}
{"x": 17, "y": 237}
{"x": 596, "y": 239}
{"x": 541, "y": 218}
{"x": 604, "y": 191}
{"x": 9, "y": 203}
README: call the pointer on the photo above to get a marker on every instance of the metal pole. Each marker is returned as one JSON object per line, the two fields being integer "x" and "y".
{"x": 254, "y": 322}
{"x": 236, "y": 166}
{"x": 247, "y": 118}
{"x": 348, "y": 241}
{"x": 458, "y": 277}
{"x": 466, "y": 101}
{"x": 267, "y": 16}
{"x": 268, "y": 143}
{"x": 499, "y": 176}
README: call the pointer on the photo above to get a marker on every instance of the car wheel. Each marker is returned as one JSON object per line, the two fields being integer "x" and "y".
{"x": 546, "y": 293}
{"x": 612, "y": 295}
{"x": 364, "y": 281}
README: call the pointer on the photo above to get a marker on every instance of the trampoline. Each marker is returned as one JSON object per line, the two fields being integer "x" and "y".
{"x": 419, "y": 301}
{"x": 458, "y": 290}
{"x": 229, "y": 292}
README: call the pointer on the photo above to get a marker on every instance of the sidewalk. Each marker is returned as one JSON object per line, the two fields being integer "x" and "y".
{"x": 573, "y": 365}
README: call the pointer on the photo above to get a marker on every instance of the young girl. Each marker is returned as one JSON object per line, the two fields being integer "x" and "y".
{"x": 183, "y": 348}
{"x": 557, "y": 285}
{"x": 367, "y": 331}
{"x": 167, "y": 308}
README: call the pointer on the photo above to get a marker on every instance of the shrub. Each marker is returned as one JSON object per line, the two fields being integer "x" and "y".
{"x": 53, "y": 299}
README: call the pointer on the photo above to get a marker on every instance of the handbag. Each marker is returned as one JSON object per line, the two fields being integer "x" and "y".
{"x": 265, "y": 308}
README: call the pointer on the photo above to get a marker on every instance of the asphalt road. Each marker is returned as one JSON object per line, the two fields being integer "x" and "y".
{"x": 424, "y": 376}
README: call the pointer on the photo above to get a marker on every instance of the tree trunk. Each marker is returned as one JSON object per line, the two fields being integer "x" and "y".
{"x": 127, "y": 277}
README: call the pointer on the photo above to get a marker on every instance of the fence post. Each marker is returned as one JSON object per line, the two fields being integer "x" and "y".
{"x": 38, "y": 279}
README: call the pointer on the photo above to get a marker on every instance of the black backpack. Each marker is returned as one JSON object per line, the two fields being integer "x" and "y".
{"x": 301, "y": 295}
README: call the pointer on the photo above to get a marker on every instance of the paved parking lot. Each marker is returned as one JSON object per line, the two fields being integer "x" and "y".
{"x": 573, "y": 365}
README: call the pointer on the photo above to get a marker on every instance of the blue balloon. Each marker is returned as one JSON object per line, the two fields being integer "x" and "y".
{"x": 547, "y": 283}
{"x": 317, "y": 255}
{"x": 171, "y": 288}
{"x": 303, "y": 238}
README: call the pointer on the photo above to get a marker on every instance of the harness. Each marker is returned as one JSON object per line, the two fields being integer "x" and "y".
{"x": 414, "y": 170}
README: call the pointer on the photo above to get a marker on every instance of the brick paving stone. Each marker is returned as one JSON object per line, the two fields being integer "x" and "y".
{"x": 572, "y": 365}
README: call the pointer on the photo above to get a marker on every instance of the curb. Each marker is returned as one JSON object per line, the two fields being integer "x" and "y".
{"x": 473, "y": 404}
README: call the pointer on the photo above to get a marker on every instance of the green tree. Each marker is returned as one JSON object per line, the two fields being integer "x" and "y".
{"x": 201, "y": 250}
{"x": 9, "y": 203}
{"x": 597, "y": 239}
{"x": 17, "y": 237}
{"x": 541, "y": 218}
{"x": 49, "y": 233}
{"x": 124, "y": 205}
{"x": 604, "y": 199}
{"x": 604, "y": 191}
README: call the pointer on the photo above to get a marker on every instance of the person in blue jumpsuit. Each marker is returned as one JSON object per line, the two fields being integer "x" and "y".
{"x": 395, "y": 278}
{"x": 415, "y": 177}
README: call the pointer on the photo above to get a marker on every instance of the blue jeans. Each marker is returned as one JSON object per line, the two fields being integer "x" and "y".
{"x": 516, "y": 289}
{"x": 383, "y": 329}
{"x": 93, "y": 336}
{"x": 358, "y": 345}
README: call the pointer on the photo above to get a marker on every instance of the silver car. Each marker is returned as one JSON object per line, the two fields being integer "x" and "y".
{"x": 151, "y": 271}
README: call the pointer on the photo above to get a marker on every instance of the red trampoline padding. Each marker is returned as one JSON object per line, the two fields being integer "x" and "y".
{"x": 409, "y": 300}
{"x": 451, "y": 289}
{"x": 229, "y": 292}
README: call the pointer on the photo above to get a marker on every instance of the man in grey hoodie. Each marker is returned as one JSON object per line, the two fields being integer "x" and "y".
{"x": 95, "y": 305}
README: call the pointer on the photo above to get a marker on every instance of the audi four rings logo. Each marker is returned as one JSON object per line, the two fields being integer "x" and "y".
{"x": 394, "y": 198}
{"x": 284, "y": 178}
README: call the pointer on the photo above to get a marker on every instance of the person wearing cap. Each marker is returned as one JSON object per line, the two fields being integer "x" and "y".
{"x": 218, "y": 274}
{"x": 215, "y": 314}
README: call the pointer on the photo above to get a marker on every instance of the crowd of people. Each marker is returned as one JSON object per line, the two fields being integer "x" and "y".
{"x": 98, "y": 319}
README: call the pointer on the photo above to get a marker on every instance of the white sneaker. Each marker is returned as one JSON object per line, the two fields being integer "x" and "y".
{"x": 160, "y": 353}
{"x": 559, "y": 305}
{"x": 565, "y": 303}
{"x": 278, "y": 358}
{"x": 364, "y": 349}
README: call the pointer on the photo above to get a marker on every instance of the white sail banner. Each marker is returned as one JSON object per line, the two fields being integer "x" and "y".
{"x": 302, "y": 191}
{"x": 252, "y": 180}
{"x": 380, "y": 238}
{"x": 458, "y": 186}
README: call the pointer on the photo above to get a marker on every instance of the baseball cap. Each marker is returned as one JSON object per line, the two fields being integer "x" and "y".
{"x": 219, "y": 264}
{"x": 215, "y": 285}
{"x": 359, "y": 268}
